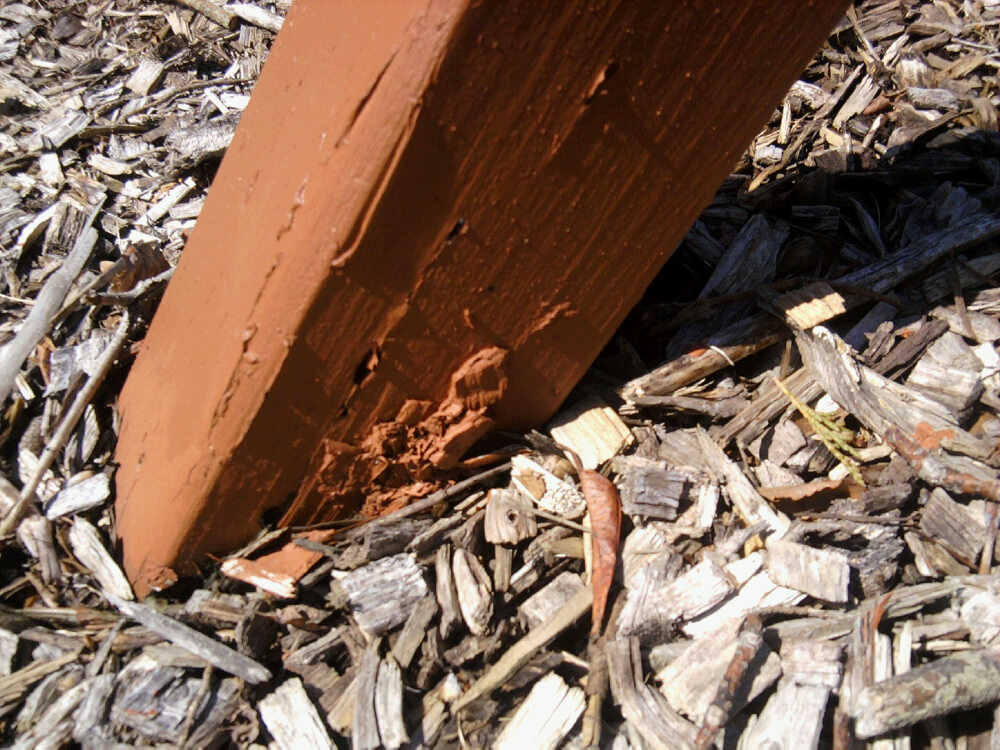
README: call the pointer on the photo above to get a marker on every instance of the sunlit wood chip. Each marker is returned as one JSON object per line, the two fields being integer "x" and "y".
{"x": 811, "y": 305}
{"x": 593, "y": 430}
{"x": 475, "y": 594}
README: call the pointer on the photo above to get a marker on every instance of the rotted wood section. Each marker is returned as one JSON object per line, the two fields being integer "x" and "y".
{"x": 432, "y": 217}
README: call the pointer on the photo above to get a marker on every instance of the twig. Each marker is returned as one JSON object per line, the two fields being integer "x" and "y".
{"x": 104, "y": 650}
{"x": 155, "y": 100}
{"x": 126, "y": 298}
{"x": 213, "y": 12}
{"x": 557, "y": 519}
{"x": 852, "y": 518}
{"x": 789, "y": 154}
{"x": 47, "y": 304}
{"x": 762, "y": 331}
{"x": 845, "y": 288}
{"x": 420, "y": 505}
{"x": 597, "y": 687}
{"x": 66, "y": 426}
{"x": 96, "y": 283}
{"x": 196, "y": 704}
{"x": 791, "y": 610}
{"x": 748, "y": 644}
{"x": 979, "y": 278}
{"x": 17, "y": 300}
{"x": 259, "y": 17}
{"x": 521, "y": 652}
{"x": 986, "y": 560}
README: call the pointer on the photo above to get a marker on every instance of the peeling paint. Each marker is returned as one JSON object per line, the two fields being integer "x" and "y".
{"x": 549, "y": 316}
{"x": 300, "y": 200}
{"x": 363, "y": 102}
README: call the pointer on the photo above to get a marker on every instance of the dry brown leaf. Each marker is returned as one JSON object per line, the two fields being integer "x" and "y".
{"x": 833, "y": 487}
{"x": 143, "y": 262}
{"x": 605, "y": 507}
{"x": 42, "y": 355}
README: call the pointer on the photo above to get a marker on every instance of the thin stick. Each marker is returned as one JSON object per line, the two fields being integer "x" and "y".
{"x": 126, "y": 298}
{"x": 597, "y": 688}
{"x": 557, "y": 519}
{"x": 213, "y": 12}
{"x": 195, "y": 705}
{"x": 17, "y": 300}
{"x": 423, "y": 504}
{"x": 986, "y": 559}
{"x": 521, "y": 652}
{"x": 96, "y": 283}
{"x": 47, "y": 304}
{"x": 748, "y": 645}
{"x": 66, "y": 426}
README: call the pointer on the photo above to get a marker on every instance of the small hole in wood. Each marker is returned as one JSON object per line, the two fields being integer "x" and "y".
{"x": 367, "y": 365}
{"x": 600, "y": 84}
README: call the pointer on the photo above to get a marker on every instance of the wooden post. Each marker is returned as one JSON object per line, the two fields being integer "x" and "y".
{"x": 432, "y": 217}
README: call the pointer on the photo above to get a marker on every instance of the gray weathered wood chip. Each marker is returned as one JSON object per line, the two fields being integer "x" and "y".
{"x": 207, "y": 648}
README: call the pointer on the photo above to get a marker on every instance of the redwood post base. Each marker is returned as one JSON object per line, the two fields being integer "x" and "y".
{"x": 433, "y": 216}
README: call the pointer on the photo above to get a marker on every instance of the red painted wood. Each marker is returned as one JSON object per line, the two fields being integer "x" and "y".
{"x": 433, "y": 216}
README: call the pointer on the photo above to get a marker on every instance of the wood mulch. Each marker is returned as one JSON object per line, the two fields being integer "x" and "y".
{"x": 808, "y": 479}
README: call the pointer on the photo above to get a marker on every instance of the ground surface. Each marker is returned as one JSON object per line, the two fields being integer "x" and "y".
{"x": 877, "y": 176}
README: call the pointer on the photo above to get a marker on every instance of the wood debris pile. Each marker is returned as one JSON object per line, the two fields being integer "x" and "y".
{"x": 808, "y": 487}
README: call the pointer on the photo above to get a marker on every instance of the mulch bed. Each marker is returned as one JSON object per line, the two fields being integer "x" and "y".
{"x": 807, "y": 481}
